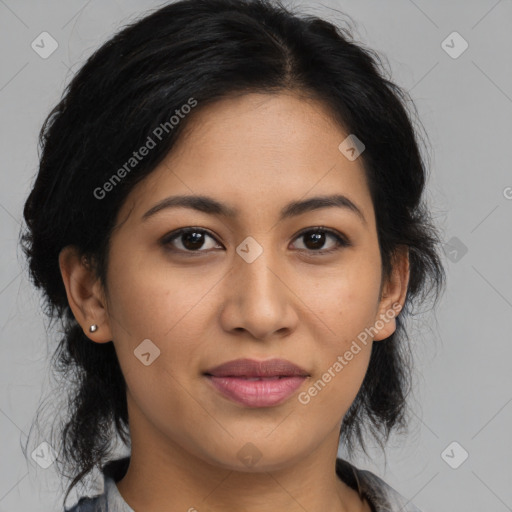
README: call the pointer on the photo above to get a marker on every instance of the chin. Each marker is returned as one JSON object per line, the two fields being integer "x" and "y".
{"x": 253, "y": 458}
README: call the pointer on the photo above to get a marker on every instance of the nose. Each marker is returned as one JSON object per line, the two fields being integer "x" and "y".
{"x": 258, "y": 299}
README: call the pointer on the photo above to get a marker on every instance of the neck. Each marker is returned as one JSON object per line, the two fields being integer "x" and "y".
{"x": 164, "y": 475}
{"x": 156, "y": 481}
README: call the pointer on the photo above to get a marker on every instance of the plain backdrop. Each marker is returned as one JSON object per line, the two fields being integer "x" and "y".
{"x": 463, "y": 393}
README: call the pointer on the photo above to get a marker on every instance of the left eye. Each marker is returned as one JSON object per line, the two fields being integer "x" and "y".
{"x": 193, "y": 239}
{"x": 315, "y": 239}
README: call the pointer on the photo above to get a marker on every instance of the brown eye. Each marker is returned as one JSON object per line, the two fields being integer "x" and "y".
{"x": 314, "y": 240}
{"x": 190, "y": 240}
{"x": 196, "y": 240}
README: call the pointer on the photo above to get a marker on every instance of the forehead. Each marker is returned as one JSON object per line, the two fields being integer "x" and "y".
{"x": 257, "y": 152}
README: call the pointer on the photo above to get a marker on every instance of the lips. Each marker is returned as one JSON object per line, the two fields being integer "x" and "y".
{"x": 257, "y": 383}
{"x": 250, "y": 368}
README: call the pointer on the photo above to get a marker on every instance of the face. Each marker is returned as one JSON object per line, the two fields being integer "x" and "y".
{"x": 251, "y": 284}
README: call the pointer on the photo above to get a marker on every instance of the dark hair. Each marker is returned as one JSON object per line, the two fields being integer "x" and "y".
{"x": 206, "y": 50}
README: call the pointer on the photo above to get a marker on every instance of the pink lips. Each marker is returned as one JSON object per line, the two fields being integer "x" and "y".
{"x": 257, "y": 383}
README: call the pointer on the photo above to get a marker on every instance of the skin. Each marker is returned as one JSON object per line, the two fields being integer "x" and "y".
{"x": 257, "y": 153}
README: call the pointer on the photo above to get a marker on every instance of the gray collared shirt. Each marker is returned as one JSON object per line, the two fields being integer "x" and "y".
{"x": 380, "y": 496}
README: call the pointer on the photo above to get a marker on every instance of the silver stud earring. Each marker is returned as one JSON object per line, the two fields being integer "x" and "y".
{"x": 93, "y": 328}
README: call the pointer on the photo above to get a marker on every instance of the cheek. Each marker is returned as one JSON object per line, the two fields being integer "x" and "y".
{"x": 152, "y": 298}
{"x": 346, "y": 305}
{"x": 334, "y": 390}
{"x": 154, "y": 317}
{"x": 167, "y": 306}
{"x": 346, "y": 300}
{"x": 343, "y": 361}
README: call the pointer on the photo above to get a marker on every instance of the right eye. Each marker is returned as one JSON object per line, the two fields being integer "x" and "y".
{"x": 189, "y": 240}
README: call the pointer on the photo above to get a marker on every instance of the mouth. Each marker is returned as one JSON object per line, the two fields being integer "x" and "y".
{"x": 257, "y": 391}
{"x": 252, "y": 378}
{"x": 257, "y": 383}
{"x": 252, "y": 368}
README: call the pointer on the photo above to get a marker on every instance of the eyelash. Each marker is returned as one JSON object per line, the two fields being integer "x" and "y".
{"x": 341, "y": 241}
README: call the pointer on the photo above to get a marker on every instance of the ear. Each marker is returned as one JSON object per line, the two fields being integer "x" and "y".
{"x": 85, "y": 294}
{"x": 393, "y": 294}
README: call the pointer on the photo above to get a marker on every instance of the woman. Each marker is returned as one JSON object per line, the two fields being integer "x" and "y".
{"x": 229, "y": 221}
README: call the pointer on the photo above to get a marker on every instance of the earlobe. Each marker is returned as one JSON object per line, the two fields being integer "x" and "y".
{"x": 84, "y": 295}
{"x": 393, "y": 295}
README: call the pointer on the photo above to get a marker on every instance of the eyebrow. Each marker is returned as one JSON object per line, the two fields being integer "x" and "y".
{"x": 211, "y": 206}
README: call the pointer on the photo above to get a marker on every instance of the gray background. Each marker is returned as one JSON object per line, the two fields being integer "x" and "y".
{"x": 463, "y": 381}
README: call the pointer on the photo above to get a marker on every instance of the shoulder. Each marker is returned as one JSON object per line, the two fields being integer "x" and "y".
{"x": 394, "y": 501}
{"x": 94, "y": 504}
{"x": 381, "y": 496}
{"x": 109, "y": 500}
